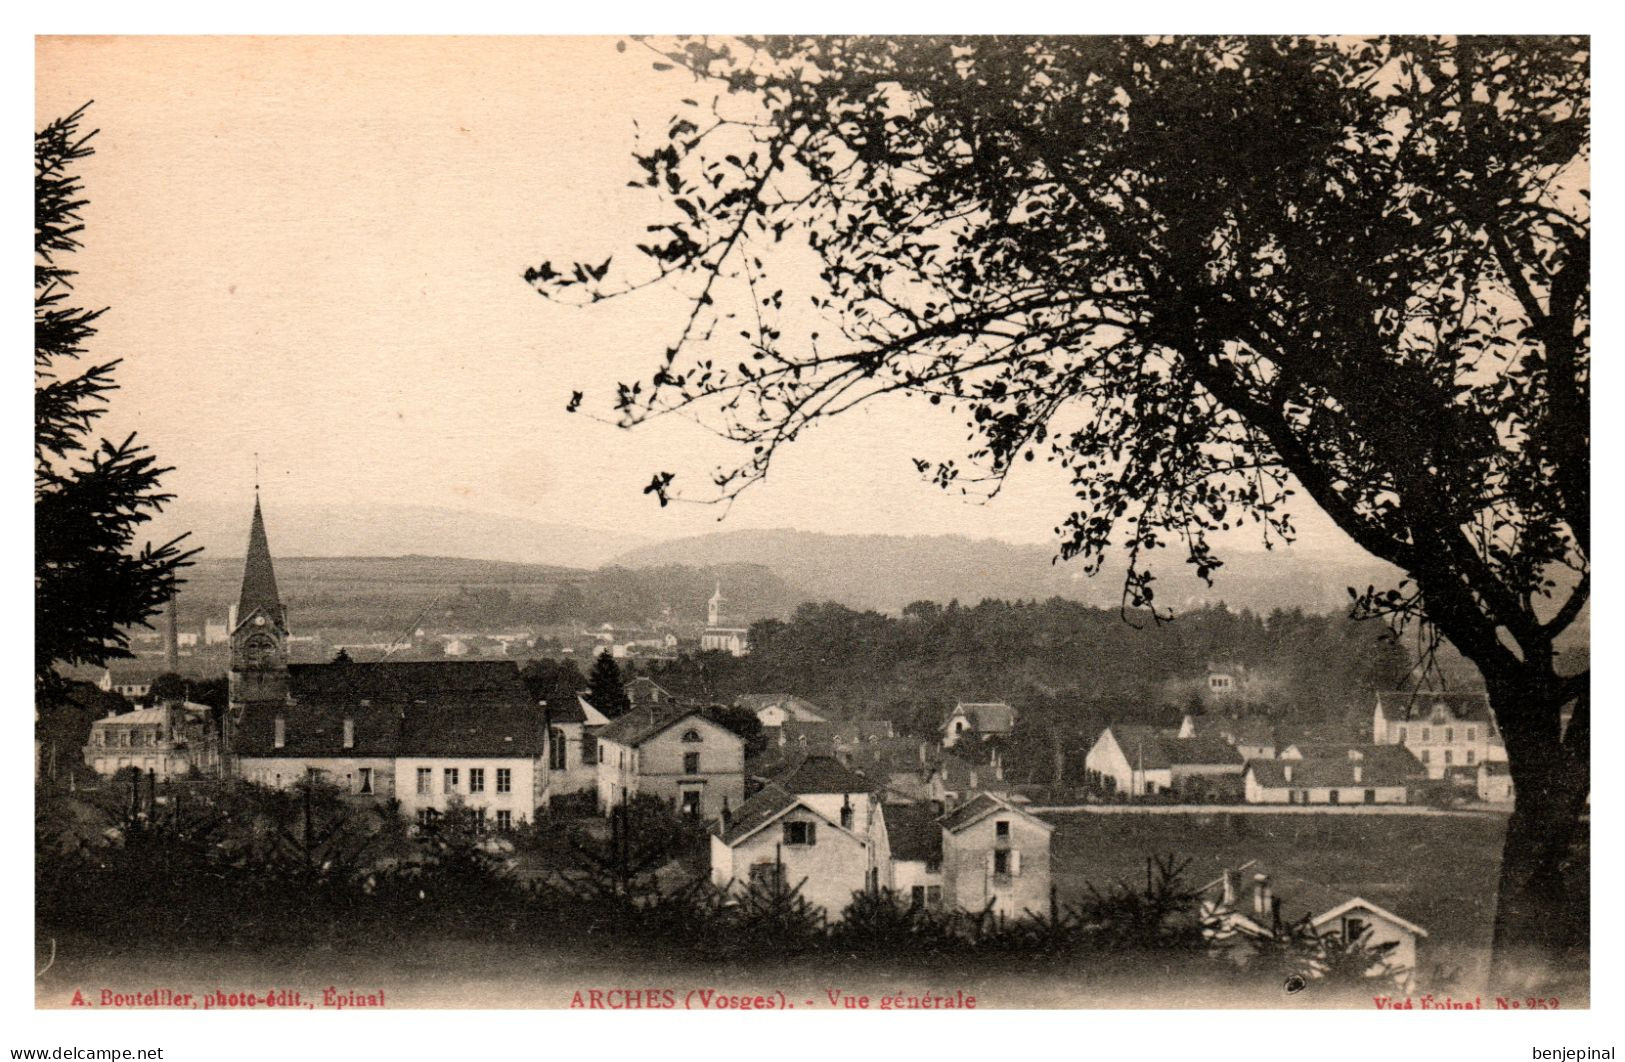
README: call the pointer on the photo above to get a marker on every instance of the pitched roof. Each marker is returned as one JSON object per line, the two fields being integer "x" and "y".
{"x": 981, "y": 806}
{"x": 441, "y": 708}
{"x": 1300, "y": 898}
{"x": 1420, "y": 705}
{"x": 1248, "y": 730}
{"x": 259, "y": 579}
{"x": 825, "y": 736}
{"x": 795, "y": 708}
{"x": 639, "y": 724}
{"x": 408, "y": 681}
{"x": 1144, "y": 746}
{"x": 822, "y": 774}
{"x": 1384, "y": 765}
{"x": 914, "y": 832}
{"x": 760, "y": 811}
{"x": 1201, "y": 752}
{"x": 986, "y": 717}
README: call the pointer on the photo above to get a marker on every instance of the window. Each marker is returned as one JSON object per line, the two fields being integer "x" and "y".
{"x": 1472, "y": 733}
{"x": 504, "y": 780}
{"x": 691, "y": 735}
{"x": 1450, "y": 733}
{"x": 366, "y": 780}
{"x": 933, "y": 895}
{"x": 765, "y": 875}
{"x": 1001, "y": 829}
{"x": 281, "y": 728}
{"x": 691, "y": 802}
{"x": 846, "y": 816}
{"x": 801, "y": 833}
{"x": 691, "y": 763}
{"x": 425, "y": 774}
{"x": 1401, "y": 735}
{"x": 1333, "y": 796}
{"x": 600, "y": 754}
{"x": 451, "y": 779}
{"x": 476, "y": 779}
{"x": 479, "y": 820}
{"x": 1427, "y": 734}
{"x": 504, "y": 820}
{"x": 1354, "y": 929}
{"x": 916, "y": 896}
{"x": 349, "y": 733}
{"x": 556, "y": 749}
{"x": 1470, "y": 757}
{"x": 1006, "y": 863}
{"x": 426, "y": 816}
{"x": 1424, "y": 755}
{"x": 589, "y": 749}
{"x": 1370, "y": 796}
{"x": 1448, "y": 757}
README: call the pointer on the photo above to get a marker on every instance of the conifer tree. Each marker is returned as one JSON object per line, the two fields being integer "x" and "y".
{"x": 605, "y": 689}
{"x": 91, "y": 495}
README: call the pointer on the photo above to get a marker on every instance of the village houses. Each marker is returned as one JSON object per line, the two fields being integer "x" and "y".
{"x": 1138, "y": 760}
{"x": 1333, "y": 774}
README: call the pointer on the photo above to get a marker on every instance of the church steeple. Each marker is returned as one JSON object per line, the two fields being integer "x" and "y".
{"x": 713, "y": 609}
{"x": 259, "y": 636}
{"x": 259, "y": 578}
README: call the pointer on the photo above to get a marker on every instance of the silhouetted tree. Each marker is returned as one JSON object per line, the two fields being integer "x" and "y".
{"x": 90, "y": 497}
{"x": 605, "y": 689}
{"x": 1386, "y": 305}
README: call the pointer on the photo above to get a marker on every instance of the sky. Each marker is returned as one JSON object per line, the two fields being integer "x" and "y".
{"x": 312, "y": 250}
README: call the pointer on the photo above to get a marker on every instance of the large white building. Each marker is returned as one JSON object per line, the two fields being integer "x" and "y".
{"x": 1442, "y": 730}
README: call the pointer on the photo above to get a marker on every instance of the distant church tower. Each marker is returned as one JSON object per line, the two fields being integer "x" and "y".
{"x": 259, "y": 633}
{"x": 714, "y": 608}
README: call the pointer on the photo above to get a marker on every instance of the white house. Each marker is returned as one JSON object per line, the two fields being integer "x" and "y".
{"x": 914, "y": 833}
{"x": 781, "y": 834}
{"x": 1130, "y": 759}
{"x": 995, "y": 856}
{"x": 1247, "y": 904}
{"x": 1251, "y": 736}
{"x": 776, "y": 709}
{"x": 1342, "y": 774}
{"x": 1442, "y": 730}
{"x": 680, "y": 757}
{"x": 166, "y": 741}
{"x": 983, "y": 720}
{"x": 1495, "y": 782}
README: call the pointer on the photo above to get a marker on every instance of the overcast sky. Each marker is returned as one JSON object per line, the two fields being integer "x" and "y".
{"x": 312, "y": 250}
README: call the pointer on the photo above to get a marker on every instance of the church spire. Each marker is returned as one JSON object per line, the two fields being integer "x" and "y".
{"x": 259, "y": 580}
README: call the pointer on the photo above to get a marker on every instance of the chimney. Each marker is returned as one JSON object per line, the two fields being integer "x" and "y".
{"x": 1286, "y": 771}
{"x": 1232, "y": 886}
{"x": 1357, "y": 772}
{"x": 727, "y": 814}
{"x": 172, "y": 640}
{"x": 1263, "y": 899}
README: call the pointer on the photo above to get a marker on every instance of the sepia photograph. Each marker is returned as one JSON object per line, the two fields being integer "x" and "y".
{"x": 817, "y": 523}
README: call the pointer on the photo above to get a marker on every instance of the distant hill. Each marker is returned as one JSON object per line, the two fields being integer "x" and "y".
{"x": 887, "y": 572}
{"x": 396, "y": 593}
{"x": 381, "y": 530}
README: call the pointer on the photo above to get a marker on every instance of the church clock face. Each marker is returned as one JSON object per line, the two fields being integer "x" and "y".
{"x": 259, "y": 650}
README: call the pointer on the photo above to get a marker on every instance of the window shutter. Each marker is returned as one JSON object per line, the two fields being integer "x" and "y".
{"x": 1015, "y": 863}
{"x": 812, "y": 833}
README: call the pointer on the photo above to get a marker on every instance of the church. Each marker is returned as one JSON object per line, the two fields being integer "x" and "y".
{"x": 431, "y": 735}
{"x": 733, "y": 640}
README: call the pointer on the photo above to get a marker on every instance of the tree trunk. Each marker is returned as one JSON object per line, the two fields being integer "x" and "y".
{"x": 1541, "y": 937}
